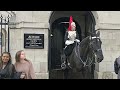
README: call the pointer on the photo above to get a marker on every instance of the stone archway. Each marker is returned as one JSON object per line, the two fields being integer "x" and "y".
{"x": 86, "y": 23}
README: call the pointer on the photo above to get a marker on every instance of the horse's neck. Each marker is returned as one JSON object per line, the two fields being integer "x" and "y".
{"x": 84, "y": 46}
{"x": 86, "y": 51}
{"x": 91, "y": 53}
{"x": 84, "y": 42}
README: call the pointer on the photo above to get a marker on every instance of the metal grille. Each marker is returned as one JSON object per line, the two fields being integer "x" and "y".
{"x": 4, "y": 37}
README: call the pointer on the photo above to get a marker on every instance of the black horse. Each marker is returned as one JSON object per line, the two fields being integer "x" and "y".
{"x": 84, "y": 56}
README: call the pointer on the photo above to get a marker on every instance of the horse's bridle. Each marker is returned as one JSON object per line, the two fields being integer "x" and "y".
{"x": 85, "y": 63}
{"x": 97, "y": 49}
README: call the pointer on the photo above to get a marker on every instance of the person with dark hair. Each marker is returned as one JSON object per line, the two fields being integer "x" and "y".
{"x": 7, "y": 69}
{"x": 24, "y": 65}
{"x": 117, "y": 67}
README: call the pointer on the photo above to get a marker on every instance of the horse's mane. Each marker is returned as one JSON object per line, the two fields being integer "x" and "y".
{"x": 84, "y": 41}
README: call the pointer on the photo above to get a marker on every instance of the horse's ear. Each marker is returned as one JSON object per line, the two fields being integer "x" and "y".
{"x": 98, "y": 33}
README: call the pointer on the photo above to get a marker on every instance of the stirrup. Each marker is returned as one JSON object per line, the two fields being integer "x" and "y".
{"x": 63, "y": 66}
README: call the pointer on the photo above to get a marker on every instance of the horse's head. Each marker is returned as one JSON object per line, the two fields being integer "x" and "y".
{"x": 95, "y": 45}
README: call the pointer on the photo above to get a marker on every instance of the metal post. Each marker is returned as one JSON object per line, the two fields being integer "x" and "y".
{"x": 5, "y": 36}
{"x": 1, "y": 33}
{"x": 8, "y": 35}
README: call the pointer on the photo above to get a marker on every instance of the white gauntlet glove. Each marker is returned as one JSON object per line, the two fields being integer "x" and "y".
{"x": 68, "y": 42}
{"x": 77, "y": 40}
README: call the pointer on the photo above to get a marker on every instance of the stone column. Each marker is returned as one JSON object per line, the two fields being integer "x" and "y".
{"x": 111, "y": 49}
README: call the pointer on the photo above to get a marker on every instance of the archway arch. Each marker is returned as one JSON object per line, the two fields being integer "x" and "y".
{"x": 93, "y": 14}
{"x": 85, "y": 22}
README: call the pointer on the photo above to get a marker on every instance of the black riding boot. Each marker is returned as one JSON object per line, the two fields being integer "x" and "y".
{"x": 63, "y": 60}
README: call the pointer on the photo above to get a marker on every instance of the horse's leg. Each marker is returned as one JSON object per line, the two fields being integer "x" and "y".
{"x": 89, "y": 72}
{"x": 92, "y": 70}
{"x": 66, "y": 71}
{"x": 86, "y": 73}
{"x": 83, "y": 73}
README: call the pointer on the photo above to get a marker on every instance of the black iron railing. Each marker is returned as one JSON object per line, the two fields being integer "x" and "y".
{"x": 4, "y": 25}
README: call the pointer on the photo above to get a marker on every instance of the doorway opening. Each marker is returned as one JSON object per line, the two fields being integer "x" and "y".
{"x": 59, "y": 21}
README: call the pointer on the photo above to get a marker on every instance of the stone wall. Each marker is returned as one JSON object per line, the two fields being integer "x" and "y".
{"x": 31, "y": 22}
{"x": 111, "y": 50}
{"x": 108, "y": 23}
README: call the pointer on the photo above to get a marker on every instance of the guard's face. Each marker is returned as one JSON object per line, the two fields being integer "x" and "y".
{"x": 5, "y": 58}
{"x": 73, "y": 26}
{"x": 22, "y": 56}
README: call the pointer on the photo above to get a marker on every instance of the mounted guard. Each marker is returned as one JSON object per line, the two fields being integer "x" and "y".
{"x": 71, "y": 37}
